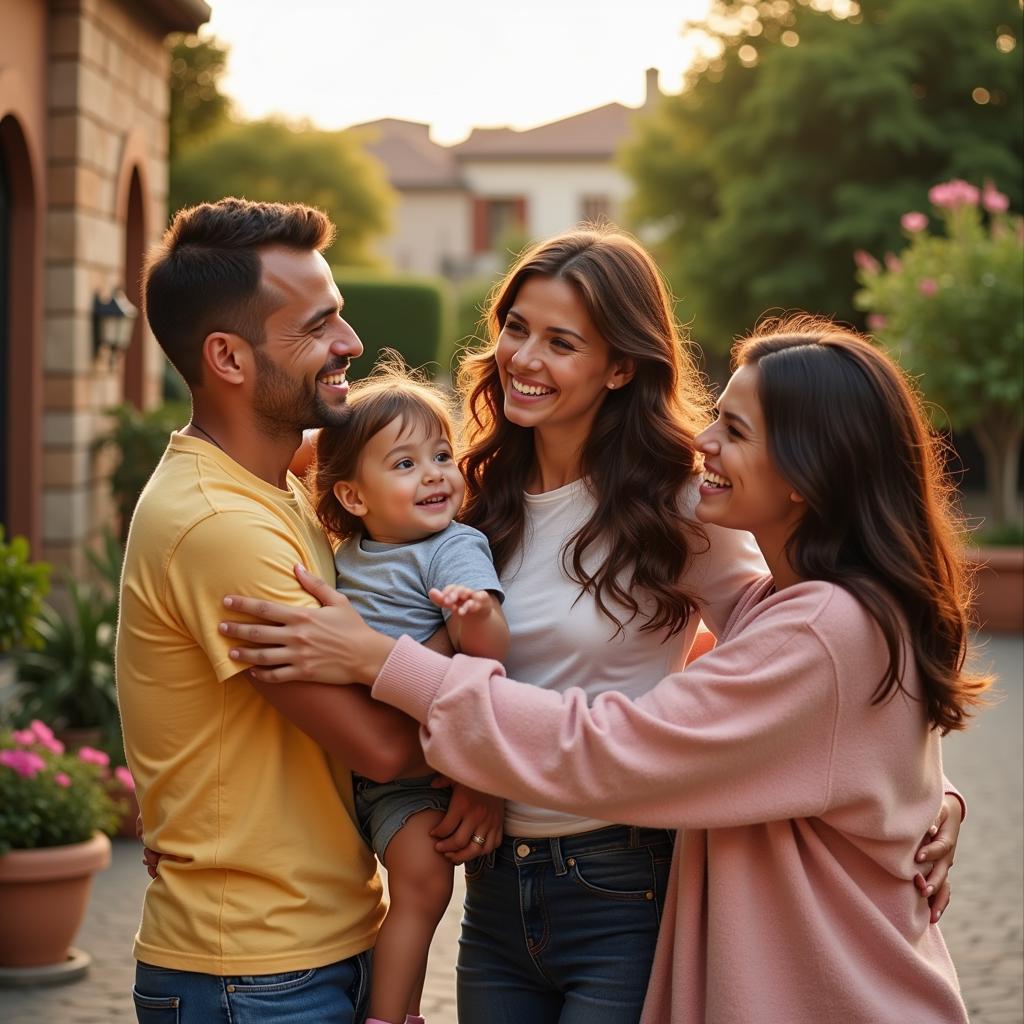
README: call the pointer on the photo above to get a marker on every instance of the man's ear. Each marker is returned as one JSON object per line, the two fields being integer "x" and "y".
{"x": 349, "y": 498}
{"x": 226, "y": 357}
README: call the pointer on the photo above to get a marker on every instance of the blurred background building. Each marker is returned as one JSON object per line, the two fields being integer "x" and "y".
{"x": 457, "y": 204}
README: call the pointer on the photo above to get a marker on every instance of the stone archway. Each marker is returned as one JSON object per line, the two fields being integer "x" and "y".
{"x": 20, "y": 338}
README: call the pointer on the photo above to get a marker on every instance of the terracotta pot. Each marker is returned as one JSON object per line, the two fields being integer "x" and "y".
{"x": 43, "y": 897}
{"x": 999, "y": 589}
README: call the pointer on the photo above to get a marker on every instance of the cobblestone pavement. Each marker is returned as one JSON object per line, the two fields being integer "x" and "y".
{"x": 983, "y": 926}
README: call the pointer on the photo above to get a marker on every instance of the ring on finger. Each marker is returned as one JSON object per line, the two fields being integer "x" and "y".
{"x": 479, "y": 840}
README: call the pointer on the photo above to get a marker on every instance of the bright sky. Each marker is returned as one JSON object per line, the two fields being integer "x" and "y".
{"x": 455, "y": 64}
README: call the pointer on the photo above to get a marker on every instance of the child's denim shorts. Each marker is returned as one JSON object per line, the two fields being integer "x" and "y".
{"x": 382, "y": 808}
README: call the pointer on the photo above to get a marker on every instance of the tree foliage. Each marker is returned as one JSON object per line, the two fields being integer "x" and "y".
{"x": 198, "y": 107}
{"x": 806, "y": 132}
{"x": 272, "y": 161}
{"x": 213, "y": 154}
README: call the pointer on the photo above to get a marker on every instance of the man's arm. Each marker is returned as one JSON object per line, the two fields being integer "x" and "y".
{"x": 367, "y": 736}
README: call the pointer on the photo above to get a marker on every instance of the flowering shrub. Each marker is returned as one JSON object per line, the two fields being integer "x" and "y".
{"x": 49, "y": 797}
{"x": 951, "y": 306}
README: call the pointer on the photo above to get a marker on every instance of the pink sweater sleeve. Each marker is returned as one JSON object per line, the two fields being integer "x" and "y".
{"x": 745, "y": 735}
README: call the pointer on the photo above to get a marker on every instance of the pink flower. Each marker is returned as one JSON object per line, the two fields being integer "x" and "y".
{"x": 41, "y": 729}
{"x": 876, "y": 321}
{"x": 928, "y": 286}
{"x": 54, "y": 745}
{"x": 866, "y": 261}
{"x": 62, "y": 779}
{"x": 92, "y": 756}
{"x": 893, "y": 262}
{"x": 125, "y": 778}
{"x": 952, "y": 194}
{"x": 914, "y": 221}
{"x": 25, "y": 762}
{"x": 993, "y": 200}
{"x": 24, "y": 737}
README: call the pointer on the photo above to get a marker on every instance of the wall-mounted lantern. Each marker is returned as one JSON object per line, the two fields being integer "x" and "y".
{"x": 112, "y": 323}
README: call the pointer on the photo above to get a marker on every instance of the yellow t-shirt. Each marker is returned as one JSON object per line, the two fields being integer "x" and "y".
{"x": 277, "y": 877}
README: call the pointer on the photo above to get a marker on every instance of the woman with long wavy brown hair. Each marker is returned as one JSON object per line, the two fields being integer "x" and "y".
{"x": 578, "y": 452}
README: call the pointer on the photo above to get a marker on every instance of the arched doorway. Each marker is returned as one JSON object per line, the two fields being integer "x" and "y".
{"x": 20, "y": 339}
{"x": 5, "y": 329}
{"x": 134, "y": 251}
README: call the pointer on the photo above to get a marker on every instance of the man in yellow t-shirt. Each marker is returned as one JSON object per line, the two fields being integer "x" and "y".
{"x": 269, "y": 901}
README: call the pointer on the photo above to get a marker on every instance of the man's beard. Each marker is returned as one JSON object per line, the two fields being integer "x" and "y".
{"x": 283, "y": 405}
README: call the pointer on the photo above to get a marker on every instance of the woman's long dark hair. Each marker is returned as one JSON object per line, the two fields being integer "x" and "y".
{"x": 640, "y": 450}
{"x": 847, "y": 430}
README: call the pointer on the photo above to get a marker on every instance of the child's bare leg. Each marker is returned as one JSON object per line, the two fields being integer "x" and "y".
{"x": 417, "y": 992}
{"x": 420, "y": 887}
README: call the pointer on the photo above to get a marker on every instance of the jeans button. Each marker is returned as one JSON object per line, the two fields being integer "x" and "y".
{"x": 522, "y": 850}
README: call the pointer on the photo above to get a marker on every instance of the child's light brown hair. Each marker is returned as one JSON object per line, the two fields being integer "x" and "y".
{"x": 392, "y": 391}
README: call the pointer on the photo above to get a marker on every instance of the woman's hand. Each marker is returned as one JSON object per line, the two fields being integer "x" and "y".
{"x": 936, "y": 855}
{"x": 470, "y": 813}
{"x": 330, "y": 644}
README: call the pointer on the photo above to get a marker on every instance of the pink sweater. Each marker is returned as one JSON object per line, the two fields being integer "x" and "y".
{"x": 790, "y": 900}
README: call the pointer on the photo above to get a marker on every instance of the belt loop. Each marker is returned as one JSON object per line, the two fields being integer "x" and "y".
{"x": 634, "y": 837}
{"x": 556, "y": 856}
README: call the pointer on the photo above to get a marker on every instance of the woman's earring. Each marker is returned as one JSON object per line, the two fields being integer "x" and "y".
{"x": 611, "y": 387}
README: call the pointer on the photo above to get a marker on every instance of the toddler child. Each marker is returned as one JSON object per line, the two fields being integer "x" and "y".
{"x": 387, "y": 486}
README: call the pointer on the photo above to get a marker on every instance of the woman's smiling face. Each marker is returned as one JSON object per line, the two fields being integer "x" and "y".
{"x": 555, "y": 367}
{"x": 742, "y": 487}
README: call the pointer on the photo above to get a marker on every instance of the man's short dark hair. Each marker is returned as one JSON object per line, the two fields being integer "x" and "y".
{"x": 204, "y": 275}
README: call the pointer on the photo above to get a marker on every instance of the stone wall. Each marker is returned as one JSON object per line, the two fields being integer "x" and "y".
{"x": 107, "y": 124}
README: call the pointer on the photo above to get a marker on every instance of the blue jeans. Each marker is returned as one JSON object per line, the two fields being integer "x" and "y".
{"x": 335, "y": 994}
{"x": 562, "y": 931}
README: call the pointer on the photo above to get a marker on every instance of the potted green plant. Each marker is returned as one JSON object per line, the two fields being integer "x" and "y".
{"x": 55, "y": 807}
{"x": 23, "y": 585}
{"x": 69, "y": 679}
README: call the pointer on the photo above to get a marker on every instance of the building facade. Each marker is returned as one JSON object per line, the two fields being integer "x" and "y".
{"x": 83, "y": 184}
{"x": 458, "y": 203}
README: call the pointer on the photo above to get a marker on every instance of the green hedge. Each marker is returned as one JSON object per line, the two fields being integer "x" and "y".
{"x": 404, "y": 313}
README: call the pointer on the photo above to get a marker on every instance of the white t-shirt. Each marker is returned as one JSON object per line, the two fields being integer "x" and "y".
{"x": 560, "y": 638}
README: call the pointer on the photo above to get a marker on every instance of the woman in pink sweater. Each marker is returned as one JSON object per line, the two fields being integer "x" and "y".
{"x": 802, "y": 755}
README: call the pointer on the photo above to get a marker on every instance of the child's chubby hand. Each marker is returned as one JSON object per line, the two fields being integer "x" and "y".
{"x": 460, "y": 600}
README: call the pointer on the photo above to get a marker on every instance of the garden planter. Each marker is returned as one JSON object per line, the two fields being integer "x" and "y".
{"x": 43, "y": 897}
{"x": 998, "y": 589}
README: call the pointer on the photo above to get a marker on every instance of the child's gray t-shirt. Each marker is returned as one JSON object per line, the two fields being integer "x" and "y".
{"x": 388, "y": 583}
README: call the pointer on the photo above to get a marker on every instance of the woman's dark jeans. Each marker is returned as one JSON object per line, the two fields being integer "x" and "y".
{"x": 562, "y": 931}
